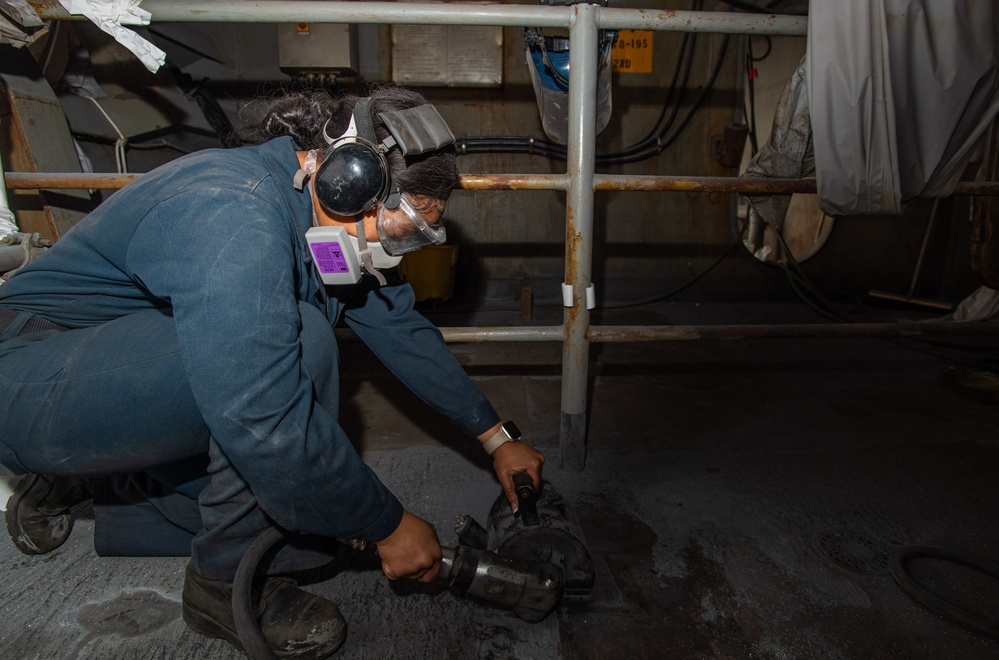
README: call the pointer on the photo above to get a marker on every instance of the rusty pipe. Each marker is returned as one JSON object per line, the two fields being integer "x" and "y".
{"x": 708, "y": 184}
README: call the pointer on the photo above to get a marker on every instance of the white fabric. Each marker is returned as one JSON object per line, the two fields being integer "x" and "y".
{"x": 900, "y": 93}
{"x": 981, "y": 305}
{"x": 110, "y": 16}
{"x": 8, "y": 223}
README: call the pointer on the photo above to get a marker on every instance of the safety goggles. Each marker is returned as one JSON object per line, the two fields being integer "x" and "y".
{"x": 404, "y": 228}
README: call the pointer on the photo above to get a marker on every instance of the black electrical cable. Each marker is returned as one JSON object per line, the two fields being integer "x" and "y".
{"x": 667, "y": 141}
{"x": 674, "y": 95}
{"x": 764, "y": 8}
{"x": 652, "y": 144}
{"x": 745, "y": 5}
{"x": 802, "y": 286}
{"x": 210, "y": 108}
{"x": 683, "y": 287}
{"x": 931, "y": 600}
{"x": 671, "y": 89}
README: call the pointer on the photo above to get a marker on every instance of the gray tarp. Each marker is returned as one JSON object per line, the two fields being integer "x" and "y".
{"x": 787, "y": 154}
{"x": 889, "y": 103}
{"x": 900, "y": 94}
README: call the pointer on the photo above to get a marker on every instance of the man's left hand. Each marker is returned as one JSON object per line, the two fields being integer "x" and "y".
{"x": 513, "y": 457}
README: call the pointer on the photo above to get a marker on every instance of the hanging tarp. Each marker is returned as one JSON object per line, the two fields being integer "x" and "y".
{"x": 787, "y": 153}
{"x": 900, "y": 94}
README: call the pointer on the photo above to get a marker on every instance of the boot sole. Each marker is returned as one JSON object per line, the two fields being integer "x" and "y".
{"x": 63, "y": 523}
{"x": 204, "y": 624}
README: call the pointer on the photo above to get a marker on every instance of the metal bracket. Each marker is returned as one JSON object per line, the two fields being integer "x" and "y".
{"x": 568, "y": 301}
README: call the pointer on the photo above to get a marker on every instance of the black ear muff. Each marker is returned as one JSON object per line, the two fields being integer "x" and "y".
{"x": 354, "y": 174}
{"x": 352, "y": 179}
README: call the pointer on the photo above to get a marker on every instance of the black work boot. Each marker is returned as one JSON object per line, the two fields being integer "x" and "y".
{"x": 37, "y": 515}
{"x": 295, "y": 623}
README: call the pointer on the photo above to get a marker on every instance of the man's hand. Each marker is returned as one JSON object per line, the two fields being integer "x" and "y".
{"x": 412, "y": 551}
{"x": 513, "y": 457}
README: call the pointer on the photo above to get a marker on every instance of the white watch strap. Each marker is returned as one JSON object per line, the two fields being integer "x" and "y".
{"x": 494, "y": 442}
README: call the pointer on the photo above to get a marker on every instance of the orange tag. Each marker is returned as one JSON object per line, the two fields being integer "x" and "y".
{"x": 632, "y": 52}
{"x": 302, "y": 28}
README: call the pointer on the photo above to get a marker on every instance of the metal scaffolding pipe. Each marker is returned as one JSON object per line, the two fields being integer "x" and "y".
{"x": 581, "y": 158}
{"x": 610, "y": 333}
{"x": 648, "y": 333}
{"x": 643, "y": 183}
{"x": 427, "y": 13}
{"x": 503, "y": 333}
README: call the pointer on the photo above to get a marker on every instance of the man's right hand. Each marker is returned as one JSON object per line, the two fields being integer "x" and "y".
{"x": 412, "y": 551}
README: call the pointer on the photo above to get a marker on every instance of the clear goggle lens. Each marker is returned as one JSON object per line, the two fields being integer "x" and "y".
{"x": 404, "y": 229}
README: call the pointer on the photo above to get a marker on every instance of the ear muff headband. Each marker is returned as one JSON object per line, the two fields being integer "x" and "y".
{"x": 354, "y": 175}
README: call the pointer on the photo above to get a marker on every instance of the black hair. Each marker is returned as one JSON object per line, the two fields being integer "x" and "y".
{"x": 302, "y": 115}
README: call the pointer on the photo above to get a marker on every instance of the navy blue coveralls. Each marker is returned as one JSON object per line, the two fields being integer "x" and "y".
{"x": 197, "y": 325}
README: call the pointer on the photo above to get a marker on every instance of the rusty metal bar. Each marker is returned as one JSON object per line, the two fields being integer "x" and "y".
{"x": 612, "y": 333}
{"x": 513, "y": 182}
{"x": 503, "y": 333}
{"x": 66, "y": 181}
{"x": 646, "y": 333}
{"x": 707, "y": 184}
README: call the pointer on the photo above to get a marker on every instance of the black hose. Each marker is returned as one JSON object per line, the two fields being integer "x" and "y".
{"x": 254, "y": 644}
{"x": 934, "y": 602}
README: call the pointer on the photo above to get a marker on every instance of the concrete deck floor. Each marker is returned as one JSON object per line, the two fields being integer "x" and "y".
{"x": 741, "y": 499}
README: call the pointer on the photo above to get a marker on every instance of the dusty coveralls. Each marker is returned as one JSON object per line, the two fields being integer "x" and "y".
{"x": 198, "y": 326}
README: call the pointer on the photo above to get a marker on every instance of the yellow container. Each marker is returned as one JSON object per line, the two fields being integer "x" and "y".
{"x": 430, "y": 271}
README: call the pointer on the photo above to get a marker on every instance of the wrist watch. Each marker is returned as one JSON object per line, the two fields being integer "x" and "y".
{"x": 508, "y": 432}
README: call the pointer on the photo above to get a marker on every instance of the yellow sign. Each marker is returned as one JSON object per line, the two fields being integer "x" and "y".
{"x": 632, "y": 52}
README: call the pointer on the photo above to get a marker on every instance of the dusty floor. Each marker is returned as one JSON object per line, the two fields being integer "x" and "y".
{"x": 740, "y": 499}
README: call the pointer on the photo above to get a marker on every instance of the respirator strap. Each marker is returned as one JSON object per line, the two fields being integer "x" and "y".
{"x": 308, "y": 169}
{"x": 365, "y": 254}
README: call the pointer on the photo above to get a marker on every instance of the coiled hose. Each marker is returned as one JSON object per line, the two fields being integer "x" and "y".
{"x": 934, "y": 602}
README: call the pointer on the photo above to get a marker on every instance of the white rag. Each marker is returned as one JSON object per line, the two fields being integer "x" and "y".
{"x": 110, "y": 16}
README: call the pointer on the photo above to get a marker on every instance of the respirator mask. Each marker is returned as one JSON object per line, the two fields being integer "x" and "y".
{"x": 353, "y": 178}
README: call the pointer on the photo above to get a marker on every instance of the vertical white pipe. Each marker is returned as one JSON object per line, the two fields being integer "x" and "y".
{"x": 581, "y": 159}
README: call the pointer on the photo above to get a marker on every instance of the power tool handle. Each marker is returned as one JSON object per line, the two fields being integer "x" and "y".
{"x": 527, "y": 499}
